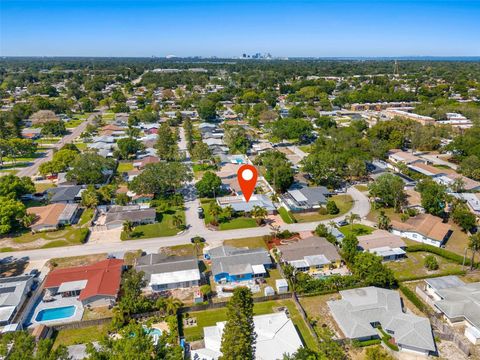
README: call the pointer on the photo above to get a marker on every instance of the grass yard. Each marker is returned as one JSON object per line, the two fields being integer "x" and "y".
{"x": 286, "y": 215}
{"x": 458, "y": 241}
{"x": 344, "y": 204}
{"x": 41, "y": 187}
{"x": 163, "y": 227}
{"x": 413, "y": 266}
{"x": 183, "y": 250}
{"x": 124, "y": 167}
{"x": 81, "y": 146}
{"x": 305, "y": 148}
{"x": 65, "y": 262}
{"x": 251, "y": 242}
{"x": 211, "y": 317}
{"x": 390, "y": 212}
{"x": 317, "y": 309}
{"x": 73, "y": 123}
{"x": 80, "y": 336}
{"x": 356, "y": 229}
{"x": 361, "y": 187}
{"x": 108, "y": 116}
{"x": 241, "y": 222}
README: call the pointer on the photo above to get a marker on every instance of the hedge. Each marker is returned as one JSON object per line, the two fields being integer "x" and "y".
{"x": 84, "y": 234}
{"x": 429, "y": 276}
{"x": 367, "y": 343}
{"x": 410, "y": 295}
{"x": 386, "y": 339}
{"x": 440, "y": 252}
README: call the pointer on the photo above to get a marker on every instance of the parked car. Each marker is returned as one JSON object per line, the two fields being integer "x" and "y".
{"x": 197, "y": 238}
{"x": 342, "y": 223}
{"x": 200, "y": 212}
{"x": 34, "y": 272}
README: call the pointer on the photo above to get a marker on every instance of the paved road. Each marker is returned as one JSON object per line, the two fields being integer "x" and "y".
{"x": 361, "y": 207}
{"x": 33, "y": 169}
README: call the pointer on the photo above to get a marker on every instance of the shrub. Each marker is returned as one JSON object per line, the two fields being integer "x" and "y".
{"x": 332, "y": 207}
{"x": 431, "y": 262}
{"x": 323, "y": 210}
{"x": 83, "y": 235}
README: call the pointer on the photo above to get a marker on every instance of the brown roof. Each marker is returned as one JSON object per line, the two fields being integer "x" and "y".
{"x": 469, "y": 184}
{"x": 424, "y": 224}
{"x": 314, "y": 245}
{"x": 432, "y": 169}
{"x": 146, "y": 160}
{"x": 404, "y": 155}
{"x": 413, "y": 198}
{"x": 380, "y": 238}
{"x": 47, "y": 215}
{"x": 103, "y": 278}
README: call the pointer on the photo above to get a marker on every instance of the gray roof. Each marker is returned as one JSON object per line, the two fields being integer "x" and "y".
{"x": 309, "y": 196}
{"x": 238, "y": 203}
{"x": 64, "y": 193}
{"x": 231, "y": 260}
{"x": 12, "y": 291}
{"x": 359, "y": 308}
{"x": 444, "y": 282}
{"x": 312, "y": 246}
{"x": 161, "y": 263}
{"x": 130, "y": 213}
{"x": 460, "y": 301}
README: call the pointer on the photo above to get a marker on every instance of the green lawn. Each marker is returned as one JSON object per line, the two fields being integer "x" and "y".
{"x": 81, "y": 146}
{"x": 41, "y": 187}
{"x": 361, "y": 187}
{"x": 413, "y": 266}
{"x": 163, "y": 227}
{"x": 305, "y": 148}
{"x": 211, "y": 317}
{"x": 285, "y": 215}
{"x": 49, "y": 140}
{"x": 73, "y": 123}
{"x": 356, "y": 229}
{"x": 80, "y": 336}
{"x": 124, "y": 167}
{"x": 251, "y": 242}
{"x": 344, "y": 204}
{"x": 241, "y": 222}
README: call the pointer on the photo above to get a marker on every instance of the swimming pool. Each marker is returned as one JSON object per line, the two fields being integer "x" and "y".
{"x": 55, "y": 313}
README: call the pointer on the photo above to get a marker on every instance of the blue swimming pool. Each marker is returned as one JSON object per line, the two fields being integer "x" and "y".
{"x": 55, "y": 313}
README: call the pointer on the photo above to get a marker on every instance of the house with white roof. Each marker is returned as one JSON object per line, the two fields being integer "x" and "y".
{"x": 164, "y": 272}
{"x": 276, "y": 336}
{"x": 361, "y": 311}
{"x": 458, "y": 302}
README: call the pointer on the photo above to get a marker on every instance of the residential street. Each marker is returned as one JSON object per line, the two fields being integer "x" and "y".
{"x": 197, "y": 227}
{"x": 33, "y": 169}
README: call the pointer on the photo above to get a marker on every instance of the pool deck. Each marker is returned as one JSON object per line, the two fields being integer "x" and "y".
{"x": 59, "y": 302}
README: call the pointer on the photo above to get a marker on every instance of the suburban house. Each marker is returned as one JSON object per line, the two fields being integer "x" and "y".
{"x": 230, "y": 264}
{"x": 239, "y": 204}
{"x": 276, "y": 337}
{"x": 383, "y": 243}
{"x": 361, "y": 310}
{"x": 164, "y": 272}
{"x": 424, "y": 228}
{"x": 65, "y": 194}
{"x": 449, "y": 179}
{"x": 458, "y": 302}
{"x": 137, "y": 215}
{"x": 305, "y": 198}
{"x": 396, "y": 156}
{"x": 94, "y": 285}
{"x": 13, "y": 293}
{"x": 314, "y": 255}
{"x": 472, "y": 200}
{"x": 50, "y": 217}
{"x": 142, "y": 163}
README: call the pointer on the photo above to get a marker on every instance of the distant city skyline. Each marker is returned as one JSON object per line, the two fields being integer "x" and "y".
{"x": 304, "y": 28}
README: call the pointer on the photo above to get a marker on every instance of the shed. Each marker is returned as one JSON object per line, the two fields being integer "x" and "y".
{"x": 282, "y": 286}
{"x": 269, "y": 291}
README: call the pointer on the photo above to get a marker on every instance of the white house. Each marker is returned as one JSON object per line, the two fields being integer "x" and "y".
{"x": 276, "y": 336}
{"x": 423, "y": 228}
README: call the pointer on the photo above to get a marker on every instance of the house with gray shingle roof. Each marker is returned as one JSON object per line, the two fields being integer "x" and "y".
{"x": 13, "y": 293}
{"x": 230, "y": 264}
{"x": 361, "y": 310}
{"x": 164, "y": 272}
{"x": 458, "y": 302}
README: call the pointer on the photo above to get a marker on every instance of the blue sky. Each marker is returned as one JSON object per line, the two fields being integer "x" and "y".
{"x": 229, "y": 28}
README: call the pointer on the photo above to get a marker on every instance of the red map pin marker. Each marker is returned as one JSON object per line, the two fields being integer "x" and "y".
{"x": 247, "y": 178}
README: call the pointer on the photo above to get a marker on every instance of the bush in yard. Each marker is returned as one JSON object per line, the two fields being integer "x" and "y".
{"x": 323, "y": 210}
{"x": 83, "y": 235}
{"x": 431, "y": 262}
{"x": 332, "y": 207}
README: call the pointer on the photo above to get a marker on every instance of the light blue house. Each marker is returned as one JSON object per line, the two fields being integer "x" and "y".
{"x": 230, "y": 264}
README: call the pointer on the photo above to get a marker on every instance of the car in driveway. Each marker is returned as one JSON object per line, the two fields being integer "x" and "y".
{"x": 342, "y": 223}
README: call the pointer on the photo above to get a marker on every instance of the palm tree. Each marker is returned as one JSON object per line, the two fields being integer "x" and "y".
{"x": 128, "y": 227}
{"x": 177, "y": 221}
{"x": 474, "y": 246}
{"x": 332, "y": 224}
{"x": 214, "y": 210}
{"x": 228, "y": 212}
{"x": 172, "y": 305}
{"x": 259, "y": 214}
{"x": 352, "y": 218}
{"x": 383, "y": 221}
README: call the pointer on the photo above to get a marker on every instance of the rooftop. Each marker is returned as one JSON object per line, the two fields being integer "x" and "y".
{"x": 425, "y": 224}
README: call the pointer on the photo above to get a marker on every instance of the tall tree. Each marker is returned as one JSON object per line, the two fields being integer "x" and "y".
{"x": 238, "y": 339}
{"x": 474, "y": 246}
{"x": 166, "y": 145}
{"x": 388, "y": 190}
